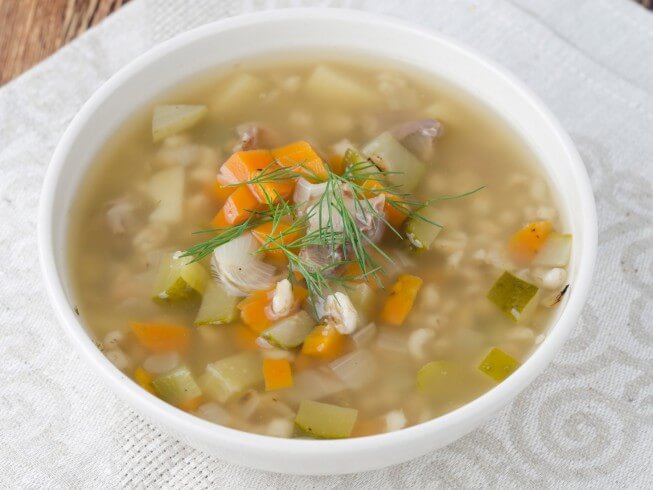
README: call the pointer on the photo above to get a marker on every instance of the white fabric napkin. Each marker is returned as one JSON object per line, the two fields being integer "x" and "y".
{"x": 587, "y": 422}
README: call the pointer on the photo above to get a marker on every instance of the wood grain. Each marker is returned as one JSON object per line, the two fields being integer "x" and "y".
{"x": 30, "y": 30}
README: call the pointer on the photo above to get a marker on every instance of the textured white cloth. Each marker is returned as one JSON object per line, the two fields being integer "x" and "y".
{"x": 587, "y": 422}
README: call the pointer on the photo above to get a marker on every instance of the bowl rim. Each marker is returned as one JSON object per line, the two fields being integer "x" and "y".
{"x": 489, "y": 402}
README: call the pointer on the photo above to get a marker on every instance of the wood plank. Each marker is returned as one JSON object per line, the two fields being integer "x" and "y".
{"x": 30, "y": 30}
{"x": 33, "y": 29}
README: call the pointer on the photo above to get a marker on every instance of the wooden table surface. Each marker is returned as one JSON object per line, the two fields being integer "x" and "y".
{"x": 30, "y": 30}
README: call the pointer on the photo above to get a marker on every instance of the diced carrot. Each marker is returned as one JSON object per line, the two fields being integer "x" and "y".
{"x": 305, "y": 160}
{"x": 324, "y": 342}
{"x": 401, "y": 299}
{"x": 247, "y": 165}
{"x": 192, "y": 404}
{"x": 297, "y": 275}
{"x": 245, "y": 338}
{"x": 337, "y": 164}
{"x": 252, "y": 310}
{"x": 525, "y": 244}
{"x": 243, "y": 165}
{"x": 221, "y": 192}
{"x": 277, "y": 374}
{"x": 300, "y": 294}
{"x": 394, "y": 216}
{"x": 237, "y": 208}
{"x": 144, "y": 379}
{"x": 219, "y": 220}
{"x": 263, "y": 233}
{"x": 161, "y": 337}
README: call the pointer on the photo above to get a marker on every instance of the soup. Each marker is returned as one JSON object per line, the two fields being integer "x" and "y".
{"x": 317, "y": 249}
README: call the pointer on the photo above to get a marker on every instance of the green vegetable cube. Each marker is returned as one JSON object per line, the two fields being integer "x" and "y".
{"x": 498, "y": 365}
{"x": 232, "y": 375}
{"x": 291, "y": 331}
{"x": 177, "y": 386}
{"x": 217, "y": 306}
{"x": 325, "y": 420}
{"x": 439, "y": 378}
{"x": 514, "y": 297}
{"x": 179, "y": 279}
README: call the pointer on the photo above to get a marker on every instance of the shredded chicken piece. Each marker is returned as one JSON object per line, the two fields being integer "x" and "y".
{"x": 254, "y": 136}
{"x": 340, "y": 309}
{"x": 419, "y": 135}
{"x": 121, "y": 216}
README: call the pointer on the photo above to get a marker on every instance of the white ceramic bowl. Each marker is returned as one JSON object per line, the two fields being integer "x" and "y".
{"x": 343, "y": 31}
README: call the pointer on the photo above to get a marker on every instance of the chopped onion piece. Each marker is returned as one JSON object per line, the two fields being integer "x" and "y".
{"x": 239, "y": 270}
{"x": 305, "y": 191}
{"x": 391, "y": 342}
{"x": 314, "y": 385}
{"x": 365, "y": 335}
{"x": 355, "y": 369}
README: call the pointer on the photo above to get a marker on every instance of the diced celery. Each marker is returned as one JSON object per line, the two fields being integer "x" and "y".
{"x": 179, "y": 279}
{"x": 439, "y": 378}
{"x": 555, "y": 252}
{"x": 166, "y": 188}
{"x": 217, "y": 306}
{"x": 515, "y": 298}
{"x": 171, "y": 119}
{"x": 359, "y": 167}
{"x": 498, "y": 365}
{"x": 291, "y": 331}
{"x": 177, "y": 386}
{"x": 404, "y": 168}
{"x": 238, "y": 92}
{"x": 232, "y": 375}
{"x": 329, "y": 85}
{"x": 324, "y": 420}
{"x": 421, "y": 233}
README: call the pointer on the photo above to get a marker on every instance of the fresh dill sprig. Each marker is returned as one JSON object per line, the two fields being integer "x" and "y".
{"x": 331, "y": 222}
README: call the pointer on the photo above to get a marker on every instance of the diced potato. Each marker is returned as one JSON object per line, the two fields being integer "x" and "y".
{"x": 324, "y": 420}
{"x": 555, "y": 252}
{"x": 420, "y": 232}
{"x": 217, "y": 306}
{"x": 166, "y": 188}
{"x": 498, "y": 365}
{"x": 517, "y": 299}
{"x": 327, "y": 84}
{"x": 291, "y": 331}
{"x": 238, "y": 92}
{"x": 171, "y": 119}
{"x": 363, "y": 298}
{"x": 179, "y": 279}
{"x": 177, "y": 386}
{"x": 406, "y": 170}
{"x": 232, "y": 375}
{"x": 439, "y": 378}
{"x": 444, "y": 112}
